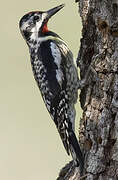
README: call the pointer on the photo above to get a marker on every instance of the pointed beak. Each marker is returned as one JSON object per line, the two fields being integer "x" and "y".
{"x": 53, "y": 11}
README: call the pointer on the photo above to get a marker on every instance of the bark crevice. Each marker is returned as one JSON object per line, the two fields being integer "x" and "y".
{"x": 99, "y": 99}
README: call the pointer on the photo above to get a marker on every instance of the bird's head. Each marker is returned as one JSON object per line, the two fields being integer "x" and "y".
{"x": 34, "y": 24}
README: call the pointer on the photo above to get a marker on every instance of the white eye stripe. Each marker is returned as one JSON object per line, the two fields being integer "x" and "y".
{"x": 24, "y": 26}
{"x": 44, "y": 15}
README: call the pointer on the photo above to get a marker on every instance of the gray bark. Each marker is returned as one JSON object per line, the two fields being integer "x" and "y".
{"x": 99, "y": 98}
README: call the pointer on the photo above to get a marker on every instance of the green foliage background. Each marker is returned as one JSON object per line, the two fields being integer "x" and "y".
{"x": 30, "y": 148}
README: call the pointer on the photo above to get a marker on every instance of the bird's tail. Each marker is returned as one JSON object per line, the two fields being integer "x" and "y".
{"x": 76, "y": 151}
{"x": 64, "y": 120}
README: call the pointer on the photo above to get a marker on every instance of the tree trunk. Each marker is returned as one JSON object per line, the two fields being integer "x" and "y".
{"x": 99, "y": 99}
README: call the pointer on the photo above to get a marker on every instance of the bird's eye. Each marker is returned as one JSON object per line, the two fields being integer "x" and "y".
{"x": 36, "y": 18}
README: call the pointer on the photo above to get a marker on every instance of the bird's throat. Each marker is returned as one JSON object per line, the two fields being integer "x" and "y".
{"x": 45, "y": 28}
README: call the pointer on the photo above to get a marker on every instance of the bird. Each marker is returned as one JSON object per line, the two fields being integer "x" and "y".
{"x": 56, "y": 76}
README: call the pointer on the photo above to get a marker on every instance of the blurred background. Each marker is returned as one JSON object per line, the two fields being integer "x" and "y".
{"x": 30, "y": 147}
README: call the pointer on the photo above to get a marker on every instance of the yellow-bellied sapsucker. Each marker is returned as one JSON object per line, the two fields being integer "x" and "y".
{"x": 55, "y": 74}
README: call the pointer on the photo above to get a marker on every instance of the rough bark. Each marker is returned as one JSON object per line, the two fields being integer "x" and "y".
{"x": 99, "y": 99}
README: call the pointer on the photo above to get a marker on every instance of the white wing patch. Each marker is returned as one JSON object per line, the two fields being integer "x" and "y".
{"x": 57, "y": 59}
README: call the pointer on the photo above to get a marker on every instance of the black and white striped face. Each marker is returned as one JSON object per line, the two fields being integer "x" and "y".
{"x": 33, "y": 24}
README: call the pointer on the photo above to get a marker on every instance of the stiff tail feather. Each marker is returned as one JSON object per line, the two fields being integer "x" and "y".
{"x": 76, "y": 151}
